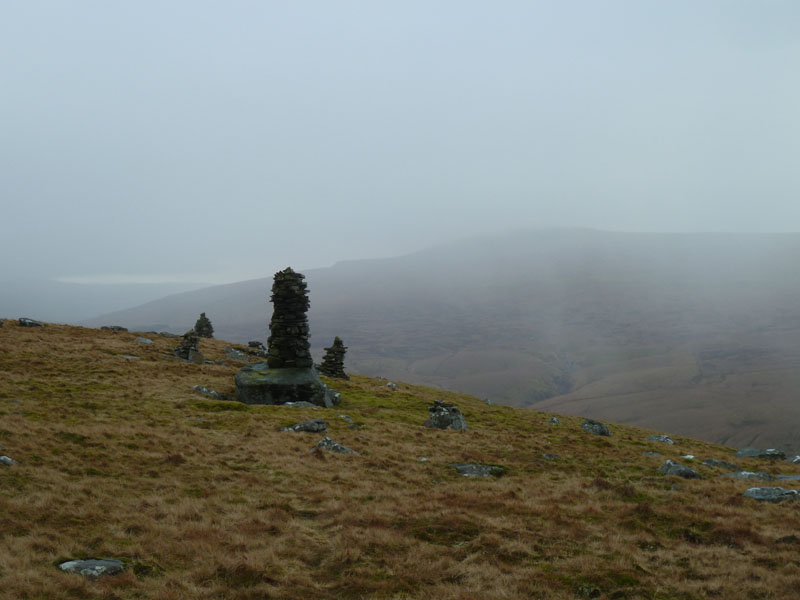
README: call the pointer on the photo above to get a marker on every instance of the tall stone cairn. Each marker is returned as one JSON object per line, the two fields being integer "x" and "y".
{"x": 288, "y": 346}
{"x": 333, "y": 361}
{"x": 187, "y": 345}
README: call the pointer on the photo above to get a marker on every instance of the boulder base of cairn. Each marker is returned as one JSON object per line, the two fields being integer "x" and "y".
{"x": 258, "y": 384}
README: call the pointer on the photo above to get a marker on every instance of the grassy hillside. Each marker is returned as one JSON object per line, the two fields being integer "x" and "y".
{"x": 120, "y": 458}
{"x": 696, "y": 333}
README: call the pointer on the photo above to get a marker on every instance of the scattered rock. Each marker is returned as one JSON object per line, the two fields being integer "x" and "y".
{"x": 328, "y": 444}
{"x": 347, "y": 418}
{"x": 93, "y": 568}
{"x": 549, "y": 456}
{"x": 768, "y": 454}
{"x": 25, "y": 322}
{"x": 672, "y": 468}
{"x": 235, "y": 354}
{"x": 651, "y": 453}
{"x": 688, "y": 456}
{"x": 301, "y": 404}
{"x": 771, "y": 494}
{"x": 659, "y": 438}
{"x": 795, "y": 460}
{"x": 312, "y": 426}
{"x": 422, "y": 459}
{"x": 201, "y": 389}
{"x": 788, "y": 477}
{"x": 762, "y": 475}
{"x": 113, "y": 328}
{"x": 444, "y": 415}
{"x": 469, "y": 470}
{"x": 10, "y": 462}
{"x": 721, "y": 464}
{"x": 488, "y": 401}
{"x": 595, "y": 427}
{"x": 554, "y": 421}
{"x": 392, "y": 386}
{"x": 167, "y": 334}
{"x": 130, "y": 356}
{"x": 256, "y": 344}
{"x": 144, "y": 340}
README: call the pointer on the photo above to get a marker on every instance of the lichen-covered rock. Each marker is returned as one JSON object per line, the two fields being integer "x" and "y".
{"x": 771, "y": 494}
{"x": 471, "y": 470}
{"x": 329, "y": 445}
{"x": 26, "y": 322}
{"x": 768, "y": 454}
{"x": 311, "y": 426}
{"x": 672, "y": 468}
{"x": 595, "y": 427}
{"x": 720, "y": 464}
{"x": 761, "y": 475}
{"x": 93, "y": 568}
{"x": 443, "y": 415}
{"x": 660, "y": 437}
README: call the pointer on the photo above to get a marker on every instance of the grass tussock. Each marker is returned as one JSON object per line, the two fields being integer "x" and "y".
{"x": 206, "y": 499}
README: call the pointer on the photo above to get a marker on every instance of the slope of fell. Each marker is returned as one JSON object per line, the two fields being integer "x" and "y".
{"x": 119, "y": 457}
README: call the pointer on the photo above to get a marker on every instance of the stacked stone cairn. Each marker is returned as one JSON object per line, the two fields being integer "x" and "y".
{"x": 333, "y": 361}
{"x": 203, "y": 327}
{"x": 187, "y": 348}
{"x": 288, "y": 376}
{"x": 288, "y": 330}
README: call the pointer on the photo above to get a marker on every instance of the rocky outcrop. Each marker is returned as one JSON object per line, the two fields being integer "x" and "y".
{"x": 771, "y": 494}
{"x": 595, "y": 427}
{"x": 329, "y": 445}
{"x": 311, "y": 426}
{"x": 93, "y": 568}
{"x": 443, "y": 415}
{"x": 672, "y": 468}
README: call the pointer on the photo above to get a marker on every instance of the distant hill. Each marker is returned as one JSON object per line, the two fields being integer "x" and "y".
{"x": 693, "y": 333}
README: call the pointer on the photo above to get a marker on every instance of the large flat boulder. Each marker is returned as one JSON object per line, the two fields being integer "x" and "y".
{"x": 259, "y": 384}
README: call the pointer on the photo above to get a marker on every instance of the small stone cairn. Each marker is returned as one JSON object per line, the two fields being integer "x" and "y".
{"x": 333, "y": 361}
{"x": 203, "y": 327}
{"x": 187, "y": 348}
{"x": 443, "y": 415}
{"x": 288, "y": 376}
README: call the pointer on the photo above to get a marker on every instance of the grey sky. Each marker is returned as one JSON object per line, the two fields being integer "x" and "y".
{"x": 218, "y": 141}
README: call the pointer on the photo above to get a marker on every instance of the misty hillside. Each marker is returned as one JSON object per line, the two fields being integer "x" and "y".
{"x": 694, "y": 333}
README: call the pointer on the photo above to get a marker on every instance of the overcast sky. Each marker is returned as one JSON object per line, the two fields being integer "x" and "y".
{"x": 219, "y": 141}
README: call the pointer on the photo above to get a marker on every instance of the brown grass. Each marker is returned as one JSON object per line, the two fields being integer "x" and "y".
{"x": 204, "y": 499}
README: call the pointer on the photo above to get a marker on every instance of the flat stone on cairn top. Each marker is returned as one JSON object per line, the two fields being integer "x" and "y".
{"x": 289, "y": 374}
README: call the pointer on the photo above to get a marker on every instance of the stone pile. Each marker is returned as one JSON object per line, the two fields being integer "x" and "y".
{"x": 288, "y": 339}
{"x": 187, "y": 349}
{"x": 333, "y": 361}
{"x": 289, "y": 374}
{"x": 203, "y": 327}
{"x": 443, "y": 415}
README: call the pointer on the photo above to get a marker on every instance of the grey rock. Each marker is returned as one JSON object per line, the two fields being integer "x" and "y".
{"x": 471, "y": 470}
{"x": 301, "y": 404}
{"x": 761, "y": 475}
{"x": 195, "y": 356}
{"x": 347, "y": 418}
{"x": 5, "y": 460}
{"x": 595, "y": 427}
{"x": 257, "y": 383}
{"x": 660, "y": 438}
{"x": 256, "y": 344}
{"x": 113, "y": 328}
{"x": 328, "y": 444}
{"x": 443, "y": 415}
{"x": 201, "y": 389}
{"x": 554, "y": 421}
{"x": 130, "y": 356}
{"x": 235, "y": 354}
{"x": 549, "y": 456}
{"x": 144, "y": 340}
{"x": 312, "y": 426}
{"x": 488, "y": 401}
{"x": 672, "y": 468}
{"x": 169, "y": 335}
{"x": 651, "y": 453}
{"x": 788, "y": 477}
{"x": 771, "y": 494}
{"x": 392, "y": 386}
{"x": 795, "y": 460}
{"x": 26, "y": 322}
{"x": 93, "y": 568}
{"x": 720, "y": 464}
{"x": 768, "y": 454}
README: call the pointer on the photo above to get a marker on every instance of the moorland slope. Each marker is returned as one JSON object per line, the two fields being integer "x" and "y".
{"x": 698, "y": 333}
{"x": 120, "y": 458}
